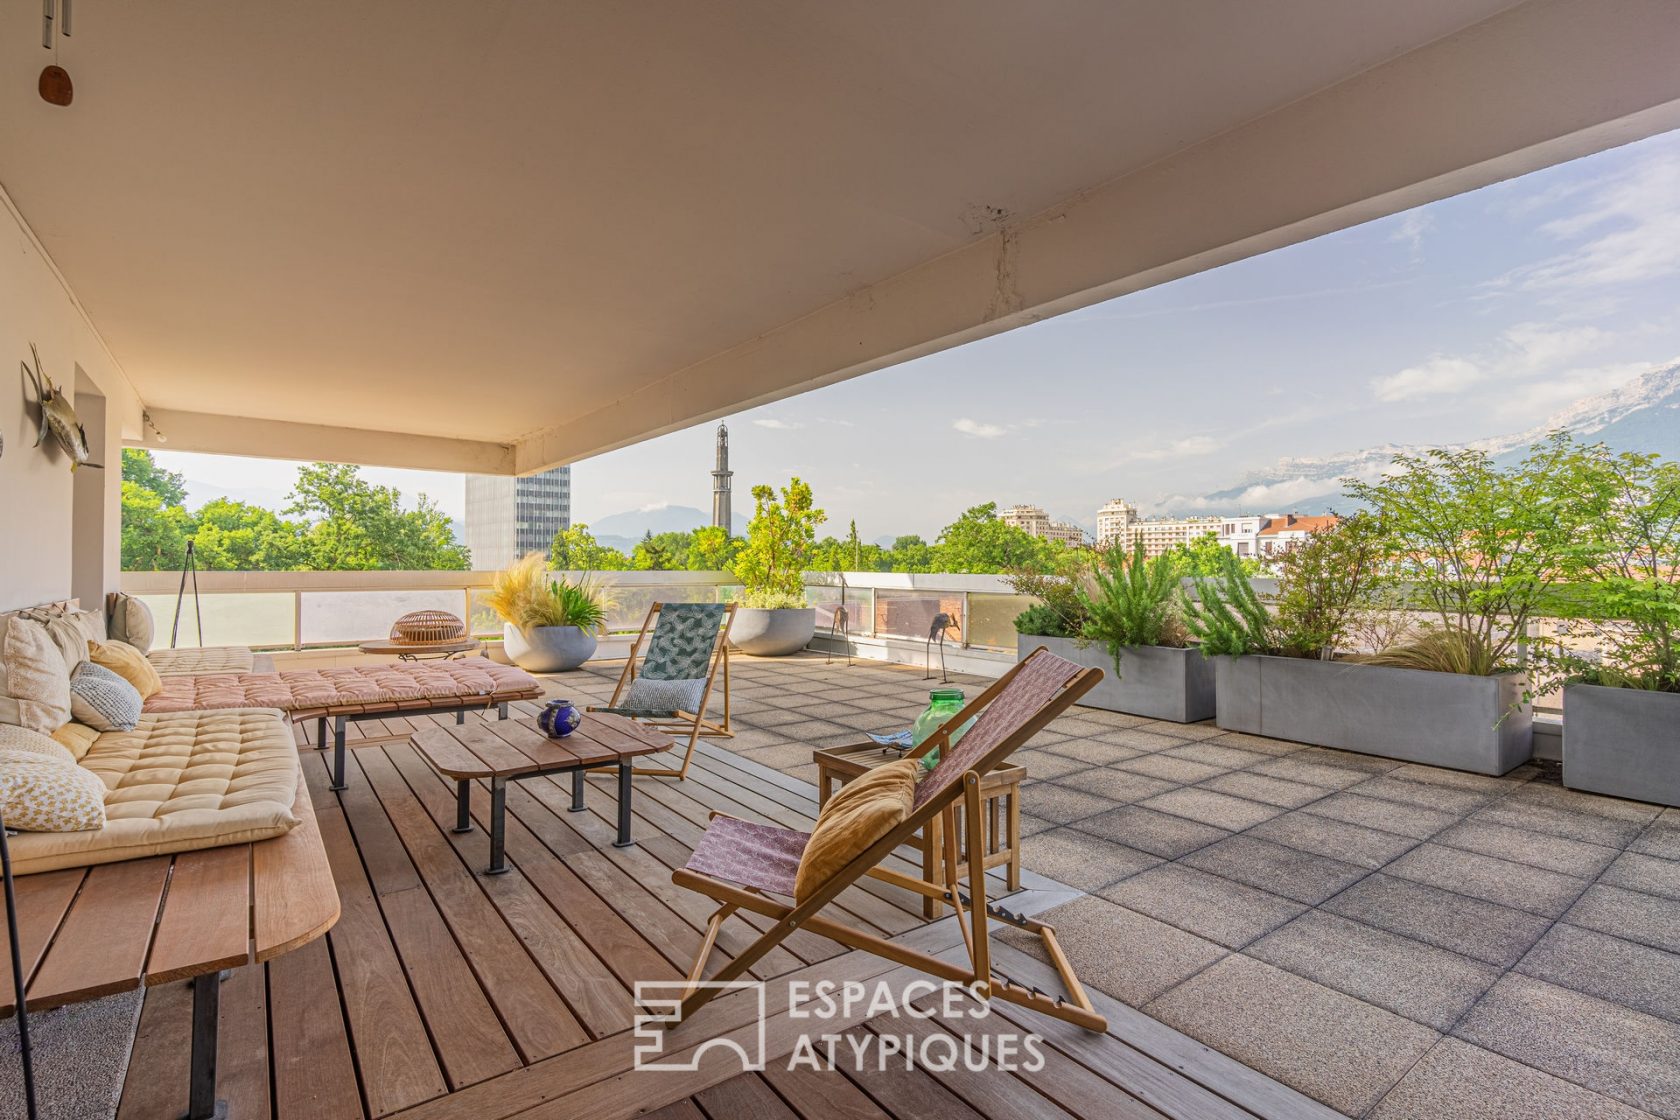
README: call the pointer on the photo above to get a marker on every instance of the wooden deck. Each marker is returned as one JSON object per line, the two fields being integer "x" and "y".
{"x": 442, "y": 994}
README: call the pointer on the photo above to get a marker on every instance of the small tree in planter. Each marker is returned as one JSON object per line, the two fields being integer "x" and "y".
{"x": 775, "y": 619}
{"x": 1621, "y": 706}
{"x": 548, "y": 625}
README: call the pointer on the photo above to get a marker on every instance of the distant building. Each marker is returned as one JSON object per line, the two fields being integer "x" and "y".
{"x": 1114, "y": 523}
{"x": 1242, "y": 535}
{"x": 1286, "y": 532}
{"x": 1034, "y": 520}
{"x": 508, "y": 517}
{"x": 722, "y": 483}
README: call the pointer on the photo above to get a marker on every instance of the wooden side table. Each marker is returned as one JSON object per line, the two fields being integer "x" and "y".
{"x": 419, "y": 651}
{"x": 1000, "y": 791}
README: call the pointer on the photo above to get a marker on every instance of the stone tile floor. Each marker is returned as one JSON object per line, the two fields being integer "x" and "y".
{"x": 1392, "y": 939}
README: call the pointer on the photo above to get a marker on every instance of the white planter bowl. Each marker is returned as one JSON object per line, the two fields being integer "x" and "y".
{"x": 773, "y": 633}
{"x": 547, "y": 649}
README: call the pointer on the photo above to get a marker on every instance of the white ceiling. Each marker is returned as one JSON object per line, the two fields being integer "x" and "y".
{"x": 484, "y": 220}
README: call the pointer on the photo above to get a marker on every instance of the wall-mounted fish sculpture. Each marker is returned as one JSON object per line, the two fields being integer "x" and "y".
{"x": 58, "y": 416}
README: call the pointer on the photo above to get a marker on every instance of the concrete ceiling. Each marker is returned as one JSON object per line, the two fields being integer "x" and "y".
{"x": 534, "y": 231}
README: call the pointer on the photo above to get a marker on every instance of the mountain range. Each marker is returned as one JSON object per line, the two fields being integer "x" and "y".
{"x": 1642, "y": 415}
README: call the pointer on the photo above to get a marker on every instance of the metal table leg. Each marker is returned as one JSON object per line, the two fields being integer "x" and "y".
{"x": 577, "y": 790}
{"x": 338, "y": 752}
{"x": 201, "y": 1098}
{"x": 624, "y": 774}
{"x": 502, "y": 710}
{"x": 463, "y": 805}
{"x": 498, "y": 824}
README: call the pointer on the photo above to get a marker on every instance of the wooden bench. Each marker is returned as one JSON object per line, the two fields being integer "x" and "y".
{"x": 97, "y": 931}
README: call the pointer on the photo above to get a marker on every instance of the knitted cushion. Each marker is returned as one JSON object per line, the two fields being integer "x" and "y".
{"x": 102, "y": 699}
{"x": 656, "y": 697}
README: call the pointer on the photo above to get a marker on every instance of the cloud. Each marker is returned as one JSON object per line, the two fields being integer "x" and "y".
{"x": 1410, "y": 230}
{"x": 776, "y": 425}
{"x": 1436, "y": 377}
{"x": 980, "y": 431}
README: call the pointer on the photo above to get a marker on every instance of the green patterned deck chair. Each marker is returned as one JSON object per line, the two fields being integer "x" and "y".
{"x": 672, "y": 687}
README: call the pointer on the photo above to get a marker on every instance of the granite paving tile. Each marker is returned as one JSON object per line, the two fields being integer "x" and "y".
{"x": 1218, "y": 809}
{"x": 1537, "y": 849}
{"x": 1610, "y": 968}
{"x": 1170, "y": 769}
{"x": 1082, "y": 860}
{"x": 1206, "y": 905}
{"x": 1644, "y": 873}
{"x": 1122, "y": 786}
{"x": 1487, "y": 877}
{"x": 1370, "y": 848}
{"x": 1130, "y": 956}
{"x": 1277, "y": 868}
{"x": 1458, "y": 1081}
{"x": 1651, "y": 919}
{"x": 1312, "y": 773}
{"x": 1374, "y": 812}
{"x": 1160, "y": 834}
{"x": 1559, "y": 822}
{"x": 1260, "y": 787}
{"x": 1485, "y": 931}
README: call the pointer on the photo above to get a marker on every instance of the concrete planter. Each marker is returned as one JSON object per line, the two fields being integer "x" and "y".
{"x": 547, "y": 649}
{"x": 1622, "y": 741}
{"x": 1478, "y": 724}
{"x": 773, "y": 633}
{"x": 1154, "y": 681}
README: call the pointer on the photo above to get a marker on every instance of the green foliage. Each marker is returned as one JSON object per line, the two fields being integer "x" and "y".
{"x": 1043, "y": 621}
{"x": 140, "y": 468}
{"x": 666, "y": 552}
{"x": 712, "y": 549}
{"x": 576, "y": 550}
{"x": 979, "y": 542}
{"x": 780, "y": 540}
{"x": 1326, "y": 583}
{"x": 910, "y": 554}
{"x": 1061, "y": 585}
{"x": 1437, "y": 650}
{"x": 1226, "y": 616}
{"x": 523, "y": 595}
{"x": 577, "y": 604}
{"x": 1134, "y": 602}
{"x": 1482, "y": 547}
{"x": 346, "y": 523}
{"x": 772, "y": 600}
{"x": 1205, "y": 556}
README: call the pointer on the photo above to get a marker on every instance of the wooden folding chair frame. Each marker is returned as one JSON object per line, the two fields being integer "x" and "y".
{"x": 973, "y": 912}
{"x": 694, "y": 724}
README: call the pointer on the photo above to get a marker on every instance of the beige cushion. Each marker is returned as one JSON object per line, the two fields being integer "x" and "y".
{"x": 207, "y": 659}
{"x": 131, "y": 622}
{"x": 34, "y": 682}
{"x": 75, "y": 737}
{"x": 128, "y": 663}
{"x": 64, "y": 626}
{"x": 42, "y": 789}
{"x": 181, "y": 781}
{"x": 865, "y": 809}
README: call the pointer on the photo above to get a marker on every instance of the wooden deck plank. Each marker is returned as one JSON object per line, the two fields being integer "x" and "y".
{"x": 292, "y": 895}
{"x": 314, "y": 1075}
{"x": 198, "y": 931}
{"x": 393, "y": 1053}
{"x": 822, "y": 1094}
{"x": 43, "y": 901}
{"x": 101, "y": 947}
{"x": 242, "y": 1073}
{"x": 747, "y": 1096}
{"x": 165, "y": 1023}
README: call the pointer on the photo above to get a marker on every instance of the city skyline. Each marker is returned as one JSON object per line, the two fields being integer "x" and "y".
{"x": 1471, "y": 317}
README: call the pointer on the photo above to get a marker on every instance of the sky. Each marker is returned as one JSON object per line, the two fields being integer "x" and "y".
{"x": 1471, "y": 317}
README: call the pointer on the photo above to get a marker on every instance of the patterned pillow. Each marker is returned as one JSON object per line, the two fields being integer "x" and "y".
{"x": 34, "y": 682}
{"x": 13, "y": 738}
{"x": 131, "y": 622}
{"x": 102, "y": 699}
{"x": 653, "y": 696}
{"x": 42, "y": 794}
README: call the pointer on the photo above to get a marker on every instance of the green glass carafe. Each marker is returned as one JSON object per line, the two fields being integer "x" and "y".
{"x": 943, "y": 703}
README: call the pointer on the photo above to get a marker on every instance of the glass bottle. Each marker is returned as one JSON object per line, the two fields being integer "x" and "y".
{"x": 943, "y": 703}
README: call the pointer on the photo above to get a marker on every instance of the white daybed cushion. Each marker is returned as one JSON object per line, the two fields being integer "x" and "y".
{"x": 206, "y": 659}
{"x": 178, "y": 782}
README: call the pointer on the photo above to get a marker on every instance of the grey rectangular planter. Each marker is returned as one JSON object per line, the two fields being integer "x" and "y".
{"x": 1154, "y": 681}
{"x": 1479, "y": 724}
{"x": 1622, "y": 741}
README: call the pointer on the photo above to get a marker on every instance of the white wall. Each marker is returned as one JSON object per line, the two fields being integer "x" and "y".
{"x": 37, "y": 493}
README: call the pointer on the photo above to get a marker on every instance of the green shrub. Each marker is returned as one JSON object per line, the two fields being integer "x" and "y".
{"x": 1226, "y": 616}
{"x": 1134, "y": 602}
{"x": 1042, "y": 621}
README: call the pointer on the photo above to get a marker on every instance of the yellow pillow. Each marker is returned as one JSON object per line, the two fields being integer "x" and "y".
{"x": 77, "y": 738}
{"x": 864, "y": 810}
{"x": 128, "y": 663}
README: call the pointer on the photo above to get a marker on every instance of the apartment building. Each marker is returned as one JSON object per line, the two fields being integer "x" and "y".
{"x": 1034, "y": 520}
{"x": 508, "y": 517}
{"x": 1281, "y": 534}
{"x": 1242, "y": 534}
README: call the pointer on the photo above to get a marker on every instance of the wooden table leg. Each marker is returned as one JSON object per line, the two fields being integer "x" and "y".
{"x": 1014, "y": 838}
{"x": 498, "y": 826}
{"x": 624, "y": 786}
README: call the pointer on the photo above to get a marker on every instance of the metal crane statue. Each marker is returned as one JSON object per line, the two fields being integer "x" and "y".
{"x": 936, "y": 635}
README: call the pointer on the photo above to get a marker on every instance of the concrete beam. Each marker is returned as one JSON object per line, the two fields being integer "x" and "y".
{"x": 281, "y": 439}
{"x": 1541, "y": 83}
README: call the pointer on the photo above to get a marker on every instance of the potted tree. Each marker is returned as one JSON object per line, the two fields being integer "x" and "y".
{"x": 1472, "y": 551}
{"x": 774, "y": 619}
{"x": 1620, "y": 653}
{"x": 548, "y": 625}
{"x": 1123, "y": 614}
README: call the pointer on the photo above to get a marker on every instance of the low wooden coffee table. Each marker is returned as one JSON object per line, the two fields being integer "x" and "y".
{"x": 420, "y": 651}
{"x": 517, "y": 748}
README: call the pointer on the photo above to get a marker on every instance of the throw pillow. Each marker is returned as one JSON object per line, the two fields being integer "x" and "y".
{"x": 34, "y": 683}
{"x": 77, "y": 738}
{"x": 128, "y": 663}
{"x": 864, "y": 810}
{"x": 33, "y": 742}
{"x": 64, "y": 630}
{"x": 131, "y": 622}
{"x": 102, "y": 699}
{"x": 42, "y": 794}
{"x": 645, "y": 695}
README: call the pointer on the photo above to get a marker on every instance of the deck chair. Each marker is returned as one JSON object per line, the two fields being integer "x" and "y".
{"x": 679, "y": 651}
{"x": 740, "y": 864}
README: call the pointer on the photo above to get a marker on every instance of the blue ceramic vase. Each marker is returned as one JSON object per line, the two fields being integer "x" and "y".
{"x": 559, "y": 718}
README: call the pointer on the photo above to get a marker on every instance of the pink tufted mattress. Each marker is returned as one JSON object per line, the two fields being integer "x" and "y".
{"x": 393, "y": 687}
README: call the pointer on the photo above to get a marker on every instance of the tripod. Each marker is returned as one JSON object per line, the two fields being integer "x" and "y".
{"x": 189, "y": 564}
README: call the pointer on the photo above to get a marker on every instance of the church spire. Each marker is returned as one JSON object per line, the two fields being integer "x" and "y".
{"x": 722, "y": 516}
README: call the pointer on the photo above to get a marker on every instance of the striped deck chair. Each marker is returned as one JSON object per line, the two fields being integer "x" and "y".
{"x": 671, "y": 688}
{"x": 740, "y": 864}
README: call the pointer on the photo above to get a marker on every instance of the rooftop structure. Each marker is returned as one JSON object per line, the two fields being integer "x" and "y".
{"x": 722, "y": 480}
